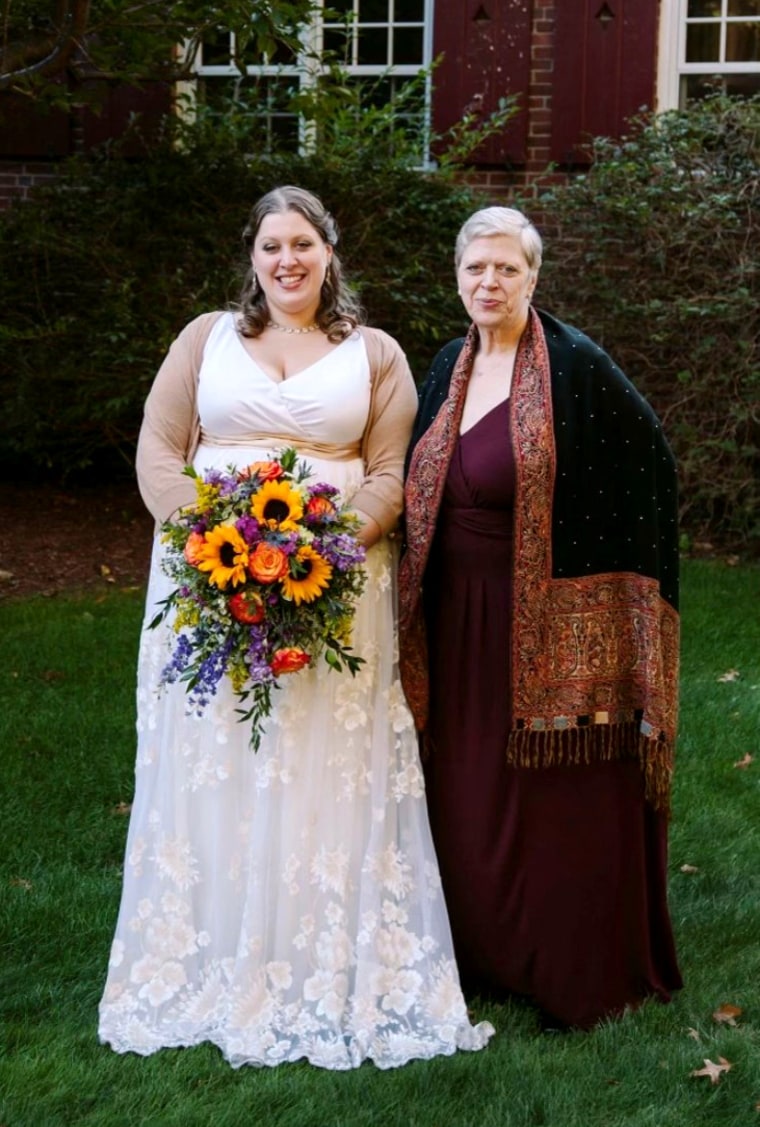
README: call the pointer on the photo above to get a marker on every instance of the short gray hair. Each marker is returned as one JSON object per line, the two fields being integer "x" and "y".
{"x": 491, "y": 221}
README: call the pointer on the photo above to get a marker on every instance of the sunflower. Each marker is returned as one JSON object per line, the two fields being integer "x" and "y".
{"x": 312, "y": 574}
{"x": 277, "y": 505}
{"x": 224, "y": 553}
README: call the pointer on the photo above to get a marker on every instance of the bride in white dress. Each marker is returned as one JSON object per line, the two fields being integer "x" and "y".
{"x": 284, "y": 904}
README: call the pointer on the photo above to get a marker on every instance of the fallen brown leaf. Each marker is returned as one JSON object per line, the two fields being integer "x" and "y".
{"x": 727, "y": 1014}
{"x": 20, "y": 882}
{"x": 732, "y": 561}
{"x": 689, "y": 869}
{"x": 744, "y": 762}
{"x": 692, "y": 1032}
{"x": 729, "y": 675}
{"x": 121, "y": 808}
{"x": 713, "y": 1070}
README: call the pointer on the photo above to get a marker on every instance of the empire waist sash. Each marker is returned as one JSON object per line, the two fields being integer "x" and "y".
{"x": 335, "y": 452}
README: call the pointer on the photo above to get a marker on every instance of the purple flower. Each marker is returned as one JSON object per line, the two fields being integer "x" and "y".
{"x": 288, "y": 542}
{"x": 249, "y": 529}
{"x": 341, "y": 550}
{"x": 179, "y": 662}
{"x": 227, "y": 486}
{"x": 256, "y": 657}
{"x": 210, "y": 672}
{"x": 323, "y": 489}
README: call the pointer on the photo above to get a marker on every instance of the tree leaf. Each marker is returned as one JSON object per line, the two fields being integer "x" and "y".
{"x": 726, "y": 1014}
{"x": 712, "y": 1070}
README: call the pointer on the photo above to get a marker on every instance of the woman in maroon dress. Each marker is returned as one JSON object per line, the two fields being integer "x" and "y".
{"x": 539, "y": 646}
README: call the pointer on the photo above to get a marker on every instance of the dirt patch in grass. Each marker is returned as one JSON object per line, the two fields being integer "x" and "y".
{"x": 64, "y": 539}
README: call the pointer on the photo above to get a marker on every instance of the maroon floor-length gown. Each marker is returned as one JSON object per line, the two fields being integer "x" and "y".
{"x": 555, "y": 878}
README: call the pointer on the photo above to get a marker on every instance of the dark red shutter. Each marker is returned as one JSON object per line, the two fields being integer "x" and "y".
{"x": 117, "y": 105}
{"x": 486, "y": 49}
{"x": 27, "y": 131}
{"x": 604, "y": 70}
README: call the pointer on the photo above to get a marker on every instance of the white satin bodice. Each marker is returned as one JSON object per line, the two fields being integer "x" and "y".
{"x": 327, "y": 402}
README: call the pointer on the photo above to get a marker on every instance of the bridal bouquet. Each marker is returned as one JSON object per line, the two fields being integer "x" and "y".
{"x": 268, "y": 572}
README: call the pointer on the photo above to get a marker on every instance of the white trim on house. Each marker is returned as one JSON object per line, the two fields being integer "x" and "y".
{"x": 672, "y": 64}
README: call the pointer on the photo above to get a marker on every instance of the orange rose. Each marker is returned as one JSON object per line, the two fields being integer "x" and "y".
{"x": 288, "y": 660}
{"x": 267, "y": 563}
{"x": 194, "y": 541}
{"x": 247, "y": 607}
{"x": 319, "y": 506}
{"x": 267, "y": 471}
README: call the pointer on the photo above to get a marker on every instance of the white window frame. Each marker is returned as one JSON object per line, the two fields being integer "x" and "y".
{"x": 672, "y": 65}
{"x": 307, "y": 73}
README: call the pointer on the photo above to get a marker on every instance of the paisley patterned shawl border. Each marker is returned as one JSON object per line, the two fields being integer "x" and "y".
{"x": 594, "y": 658}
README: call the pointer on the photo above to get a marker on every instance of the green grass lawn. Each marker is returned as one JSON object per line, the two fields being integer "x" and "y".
{"x": 66, "y": 740}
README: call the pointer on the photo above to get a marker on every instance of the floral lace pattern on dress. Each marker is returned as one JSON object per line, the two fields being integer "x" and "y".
{"x": 286, "y": 904}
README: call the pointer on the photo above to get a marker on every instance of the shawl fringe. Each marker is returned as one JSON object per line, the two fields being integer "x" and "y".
{"x": 599, "y": 743}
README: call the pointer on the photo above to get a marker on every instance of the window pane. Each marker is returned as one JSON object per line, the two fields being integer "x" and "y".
{"x": 279, "y": 91}
{"x": 744, "y": 7}
{"x": 373, "y": 46}
{"x": 743, "y": 43}
{"x": 409, "y": 11}
{"x": 216, "y": 49}
{"x": 376, "y": 93}
{"x": 703, "y": 43}
{"x": 338, "y": 41}
{"x": 342, "y": 6}
{"x": 373, "y": 11}
{"x": 695, "y": 86}
{"x": 703, "y": 8}
{"x": 407, "y": 45}
{"x": 282, "y": 56}
{"x": 284, "y": 129}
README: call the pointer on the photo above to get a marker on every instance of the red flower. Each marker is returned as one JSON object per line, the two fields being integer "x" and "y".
{"x": 247, "y": 607}
{"x": 266, "y": 471}
{"x": 267, "y": 563}
{"x": 289, "y": 660}
{"x": 319, "y": 506}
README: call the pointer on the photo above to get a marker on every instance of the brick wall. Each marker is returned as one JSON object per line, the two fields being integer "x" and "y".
{"x": 18, "y": 179}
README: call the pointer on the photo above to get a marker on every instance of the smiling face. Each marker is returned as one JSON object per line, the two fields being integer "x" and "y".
{"x": 496, "y": 283}
{"x": 290, "y": 258}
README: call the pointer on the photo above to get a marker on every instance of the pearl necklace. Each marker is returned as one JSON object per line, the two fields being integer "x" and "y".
{"x": 285, "y": 329}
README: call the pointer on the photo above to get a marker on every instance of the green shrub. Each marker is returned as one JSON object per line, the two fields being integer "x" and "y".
{"x": 654, "y": 253}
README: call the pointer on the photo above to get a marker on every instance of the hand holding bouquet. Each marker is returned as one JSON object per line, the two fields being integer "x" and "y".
{"x": 268, "y": 571}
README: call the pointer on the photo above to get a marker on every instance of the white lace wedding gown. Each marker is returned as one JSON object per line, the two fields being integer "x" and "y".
{"x": 284, "y": 904}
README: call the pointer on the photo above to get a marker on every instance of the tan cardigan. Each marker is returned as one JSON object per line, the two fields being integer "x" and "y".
{"x": 170, "y": 432}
